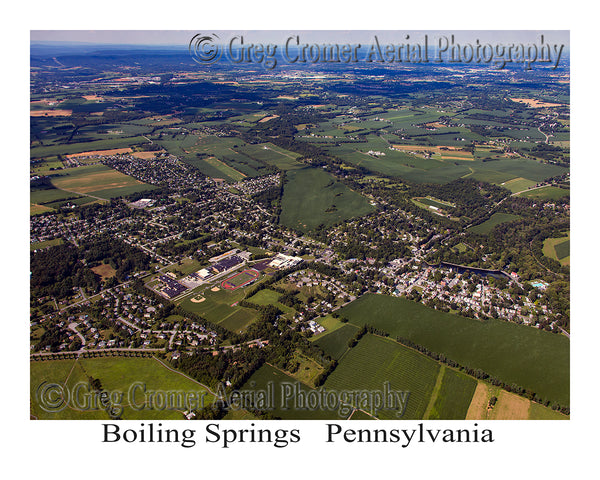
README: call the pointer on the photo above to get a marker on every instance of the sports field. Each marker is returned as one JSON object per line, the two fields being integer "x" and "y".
{"x": 220, "y": 306}
{"x": 312, "y": 197}
{"x": 117, "y": 375}
{"x": 240, "y": 279}
{"x": 532, "y": 358}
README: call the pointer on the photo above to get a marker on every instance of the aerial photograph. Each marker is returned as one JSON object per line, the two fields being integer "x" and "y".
{"x": 299, "y": 225}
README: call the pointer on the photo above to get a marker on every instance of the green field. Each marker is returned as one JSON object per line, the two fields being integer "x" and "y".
{"x": 531, "y": 358}
{"x": 218, "y": 307}
{"x": 269, "y": 378}
{"x": 45, "y": 244}
{"x": 67, "y": 149}
{"x": 215, "y": 156}
{"x": 374, "y": 361}
{"x": 518, "y": 184}
{"x": 335, "y": 343}
{"x": 271, "y": 154}
{"x": 96, "y": 181}
{"x": 540, "y": 412}
{"x": 312, "y": 197}
{"x": 546, "y": 193}
{"x": 269, "y": 297}
{"x": 453, "y": 397}
{"x": 117, "y": 375}
{"x": 558, "y": 249}
{"x": 496, "y": 219}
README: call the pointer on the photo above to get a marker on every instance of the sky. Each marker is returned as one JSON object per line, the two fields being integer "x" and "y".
{"x": 182, "y": 37}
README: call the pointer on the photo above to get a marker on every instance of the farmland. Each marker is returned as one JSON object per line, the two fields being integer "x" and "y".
{"x": 116, "y": 374}
{"x": 400, "y": 189}
{"x": 268, "y": 377}
{"x": 335, "y": 343}
{"x": 546, "y": 193}
{"x": 65, "y": 149}
{"x": 453, "y": 397}
{"x": 98, "y": 181}
{"x": 374, "y": 361}
{"x": 496, "y": 219}
{"x": 558, "y": 249}
{"x": 311, "y": 197}
{"x": 508, "y": 406}
{"x": 531, "y": 358}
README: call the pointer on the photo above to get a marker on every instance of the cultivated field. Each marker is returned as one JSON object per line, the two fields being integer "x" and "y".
{"x": 335, "y": 343}
{"x": 113, "y": 151}
{"x": 559, "y": 249}
{"x": 546, "y": 193}
{"x": 453, "y": 397}
{"x": 496, "y": 219}
{"x": 374, "y": 361}
{"x": 312, "y": 197}
{"x": 269, "y": 375}
{"x": 508, "y": 406}
{"x": 99, "y": 181}
{"x": 519, "y": 354}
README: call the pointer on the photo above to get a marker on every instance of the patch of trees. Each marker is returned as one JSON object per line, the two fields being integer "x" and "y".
{"x": 57, "y": 270}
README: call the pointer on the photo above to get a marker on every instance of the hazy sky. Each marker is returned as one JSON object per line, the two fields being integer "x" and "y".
{"x": 182, "y": 37}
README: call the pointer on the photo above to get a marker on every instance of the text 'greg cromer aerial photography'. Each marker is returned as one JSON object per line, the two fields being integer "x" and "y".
{"x": 323, "y": 225}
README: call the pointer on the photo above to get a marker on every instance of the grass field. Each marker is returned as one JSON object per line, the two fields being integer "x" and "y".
{"x": 496, "y": 219}
{"x": 518, "y": 184}
{"x": 35, "y": 209}
{"x": 99, "y": 181}
{"x": 374, "y": 361}
{"x": 240, "y": 279}
{"x": 273, "y": 155}
{"x": 509, "y": 406}
{"x": 453, "y": 397}
{"x": 529, "y": 357}
{"x": 269, "y": 378}
{"x": 117, "y": 375}
{"x": 546, "y": 193}
{"x": 558, "y": 249}
{"x": 269, "y": 297}
{"x": 312, "y": 197}
{"x": 104, "y": 270}
{"x": 45, "y": 200}
{"x": 335, "y": 343}
{"x": 219, "y": 307}
{"x": 70, "y": 148}
{"x": 45, "y": 244}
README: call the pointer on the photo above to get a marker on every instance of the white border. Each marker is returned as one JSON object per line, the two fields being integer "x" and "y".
{"x": 73, "y": 449}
